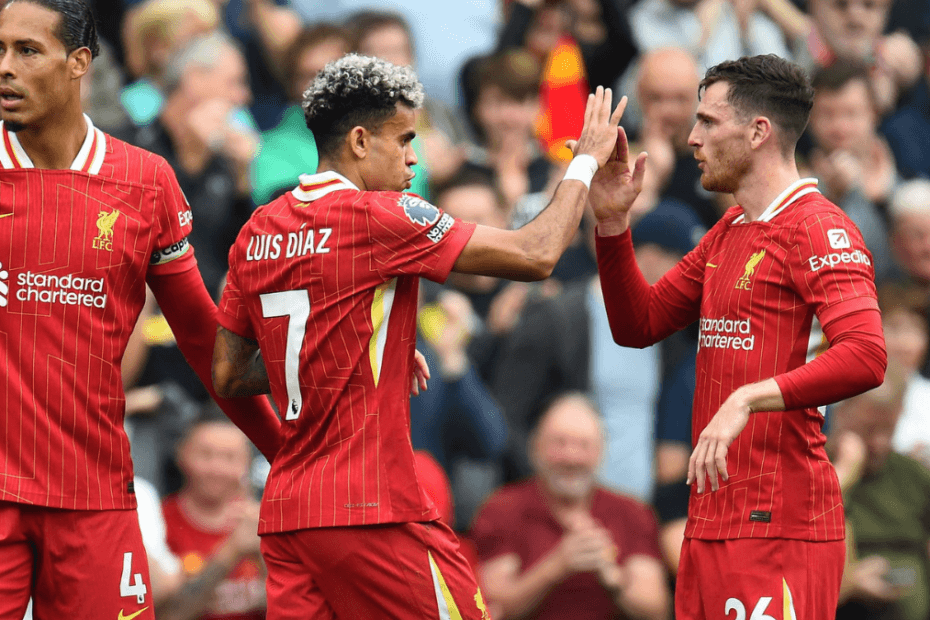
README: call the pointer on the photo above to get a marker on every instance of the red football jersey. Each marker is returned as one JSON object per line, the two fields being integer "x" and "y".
{"x": 326, "y": 279}
{"x": 75, "y": 249}
{"x": 241, "y": 595}
{"x": 758, "y": 289}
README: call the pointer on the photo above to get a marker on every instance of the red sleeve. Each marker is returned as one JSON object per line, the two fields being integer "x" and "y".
{"x": 854, "y": 363}
{"x": 409, "y": 236}
{"x": 641, "y": 315}
{"x": 172, "y": 252}
{"x": 191, "y": 313}
{"x": 233, "y": 313}
{"x": 831, "y": 267}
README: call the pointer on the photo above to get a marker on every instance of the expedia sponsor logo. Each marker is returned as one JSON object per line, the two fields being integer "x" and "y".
{"x": 69, "y": 290}
{"x": 726, "y": 334}
{"x": 105, "y": 223}
{"x": 170, "y": 253}
{"x": 839, "y": 258}
{"x": 437, "y": 232}
{"x": 185, "y": 218}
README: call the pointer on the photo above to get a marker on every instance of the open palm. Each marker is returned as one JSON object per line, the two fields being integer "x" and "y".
{"x": 617, "y": 184}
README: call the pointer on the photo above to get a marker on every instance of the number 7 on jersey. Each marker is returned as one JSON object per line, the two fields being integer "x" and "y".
{"x": 296, "y": 306}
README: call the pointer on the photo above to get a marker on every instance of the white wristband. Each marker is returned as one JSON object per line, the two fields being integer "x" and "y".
{"x": 581, "y": 169}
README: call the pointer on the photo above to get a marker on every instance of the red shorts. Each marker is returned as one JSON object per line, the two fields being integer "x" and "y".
{"x": 404, "y": 571}
{"x": 76, "y": 564}
{"x": 759, "y": 579}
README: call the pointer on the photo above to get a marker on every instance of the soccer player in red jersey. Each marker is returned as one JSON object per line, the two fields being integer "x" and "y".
{"x": 765, "y": 528}
{"x": 323, "y": 281}
{"x": 85, "y": 222}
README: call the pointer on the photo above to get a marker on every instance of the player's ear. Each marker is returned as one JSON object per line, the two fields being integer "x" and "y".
{"x": 79, "y": 62}
{"x": 359, "y": 141}
{"x": 760, "y": 131}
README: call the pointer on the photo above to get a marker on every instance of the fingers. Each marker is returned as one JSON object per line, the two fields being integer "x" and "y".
{"x": 622, "y": 149}
{"x": 589, "y": 110}
{"x": 639, "y": 172}
{"x": 571, "y": 145}
{"x": 618, "y": 111}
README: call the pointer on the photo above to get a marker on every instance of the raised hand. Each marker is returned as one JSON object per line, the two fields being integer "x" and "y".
{"x": 599, "y": 133}
{"x": 617, "y": 184}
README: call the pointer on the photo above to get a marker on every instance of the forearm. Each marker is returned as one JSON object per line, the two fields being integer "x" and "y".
{"x": 191, "y": 313}
{"x": 636, "y": 317}
{"x": 792, "y": 21}
{"x": 527, "y": 591}
{"x": 645, "y": 595}
{"x": 854, "y": 363}
{"x": 249, "y": 377}
{"x": 193, "y": 597}
{"x": 546, "y": 237}
{"x": 484, "y": 417}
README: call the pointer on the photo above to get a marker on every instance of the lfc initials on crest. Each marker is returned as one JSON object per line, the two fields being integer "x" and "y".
{"x": 744, "y": 282}
{"x": 105, "y": 223}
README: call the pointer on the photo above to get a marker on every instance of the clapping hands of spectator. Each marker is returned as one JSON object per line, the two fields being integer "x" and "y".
{"x": 242, "y": 515}
{"x": 870, "y": 580}
{"x": 587, "y": 547}
{"x": 211, "y": 123}
{"x": 840, "y": 170}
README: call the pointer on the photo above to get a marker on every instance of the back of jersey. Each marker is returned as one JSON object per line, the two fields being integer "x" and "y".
{"x": 325, "y": 279}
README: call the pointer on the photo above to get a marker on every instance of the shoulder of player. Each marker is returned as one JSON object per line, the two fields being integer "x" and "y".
{"x": 812, "y": 208}
{"x": 133, "y": 164}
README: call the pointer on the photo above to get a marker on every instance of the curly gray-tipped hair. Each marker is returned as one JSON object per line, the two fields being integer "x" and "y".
{"x": 356, "y": 90}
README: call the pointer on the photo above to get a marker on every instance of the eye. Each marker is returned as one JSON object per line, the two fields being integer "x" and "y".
{"x": 29, "y": 51}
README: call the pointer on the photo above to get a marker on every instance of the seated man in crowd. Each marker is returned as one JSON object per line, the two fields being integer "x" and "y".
{"x": 212, "y": 525}
{"x": 560, "y": 546}
{"x": 887, "y": 502}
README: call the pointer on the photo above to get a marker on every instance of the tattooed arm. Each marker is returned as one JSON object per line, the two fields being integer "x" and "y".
{"x": 238, "y": 368}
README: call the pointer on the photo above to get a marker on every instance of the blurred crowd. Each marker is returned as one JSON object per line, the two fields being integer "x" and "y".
{"x": 547, "y": 446}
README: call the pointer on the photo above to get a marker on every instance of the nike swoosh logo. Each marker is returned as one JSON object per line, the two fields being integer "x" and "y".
{"x": 130, "y": 616}
{"x": 5, "y": 215}
{"x": 711, "y": 265}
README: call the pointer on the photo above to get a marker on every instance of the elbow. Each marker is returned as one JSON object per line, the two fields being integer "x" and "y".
{"x": 222, "y": 381}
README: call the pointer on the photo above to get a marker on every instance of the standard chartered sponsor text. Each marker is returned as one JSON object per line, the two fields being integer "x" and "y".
{"x": 726, "y": 334}
{"x": 70, "y": 290}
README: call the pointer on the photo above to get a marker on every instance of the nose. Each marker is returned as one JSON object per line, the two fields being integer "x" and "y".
{"x": 6, "y": 64}
{"x": 410, "y": 156}
{"x": 693, "y": 137}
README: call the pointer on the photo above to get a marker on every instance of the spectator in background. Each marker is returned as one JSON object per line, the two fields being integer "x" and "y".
{"x": 446, "y": 33}
{"x": 199, "y": 134}
{"x": 600, "y": 28}
{"x": 559, "y": 545}
{"x": 910, "y": 231}
{"x": 911, "y": 120}
{"x": 904, "y": 322}
{"x": 289, "y": 150}
{"x": 852, "y": 161}
{"x": 887, "y": 503}
{"x": 153, "y": 32}
{"x": 456, "y": 420}
{"x": 100, "y": 92}
{"x": 440, "y": 134}
{"x": 503, "y": 113}
{"x": 564, "y": 344}
{"x": 711, "y": 30}
{"x": 212, "y": 526}
{"x": 853, "y": 30}
{"x": 667, "y": 94}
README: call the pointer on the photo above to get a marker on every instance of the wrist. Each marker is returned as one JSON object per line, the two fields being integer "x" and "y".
{"x": 582, "y": 168}
{"x": 613, "y": 226}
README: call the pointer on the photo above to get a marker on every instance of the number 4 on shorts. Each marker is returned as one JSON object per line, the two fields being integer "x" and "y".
{"x": 137, "y": 588}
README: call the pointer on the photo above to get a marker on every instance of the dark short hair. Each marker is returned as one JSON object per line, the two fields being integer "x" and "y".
{"x": 768, "y": 85}
{"x": 466, "y": 177}
{"x": 77, "y": 27}
{"x": 308, "y": 38}
{"x": 516, "y": 72}
{"x": 356, "y": 91}
{"x": 840, "y": 74}
{"x": 363, "y": 23}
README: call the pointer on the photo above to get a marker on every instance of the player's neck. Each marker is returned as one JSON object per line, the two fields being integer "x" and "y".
{"x": 349, "y": 172}
{"x": 54, "y": 144}
{"x": 762, "y": 185}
